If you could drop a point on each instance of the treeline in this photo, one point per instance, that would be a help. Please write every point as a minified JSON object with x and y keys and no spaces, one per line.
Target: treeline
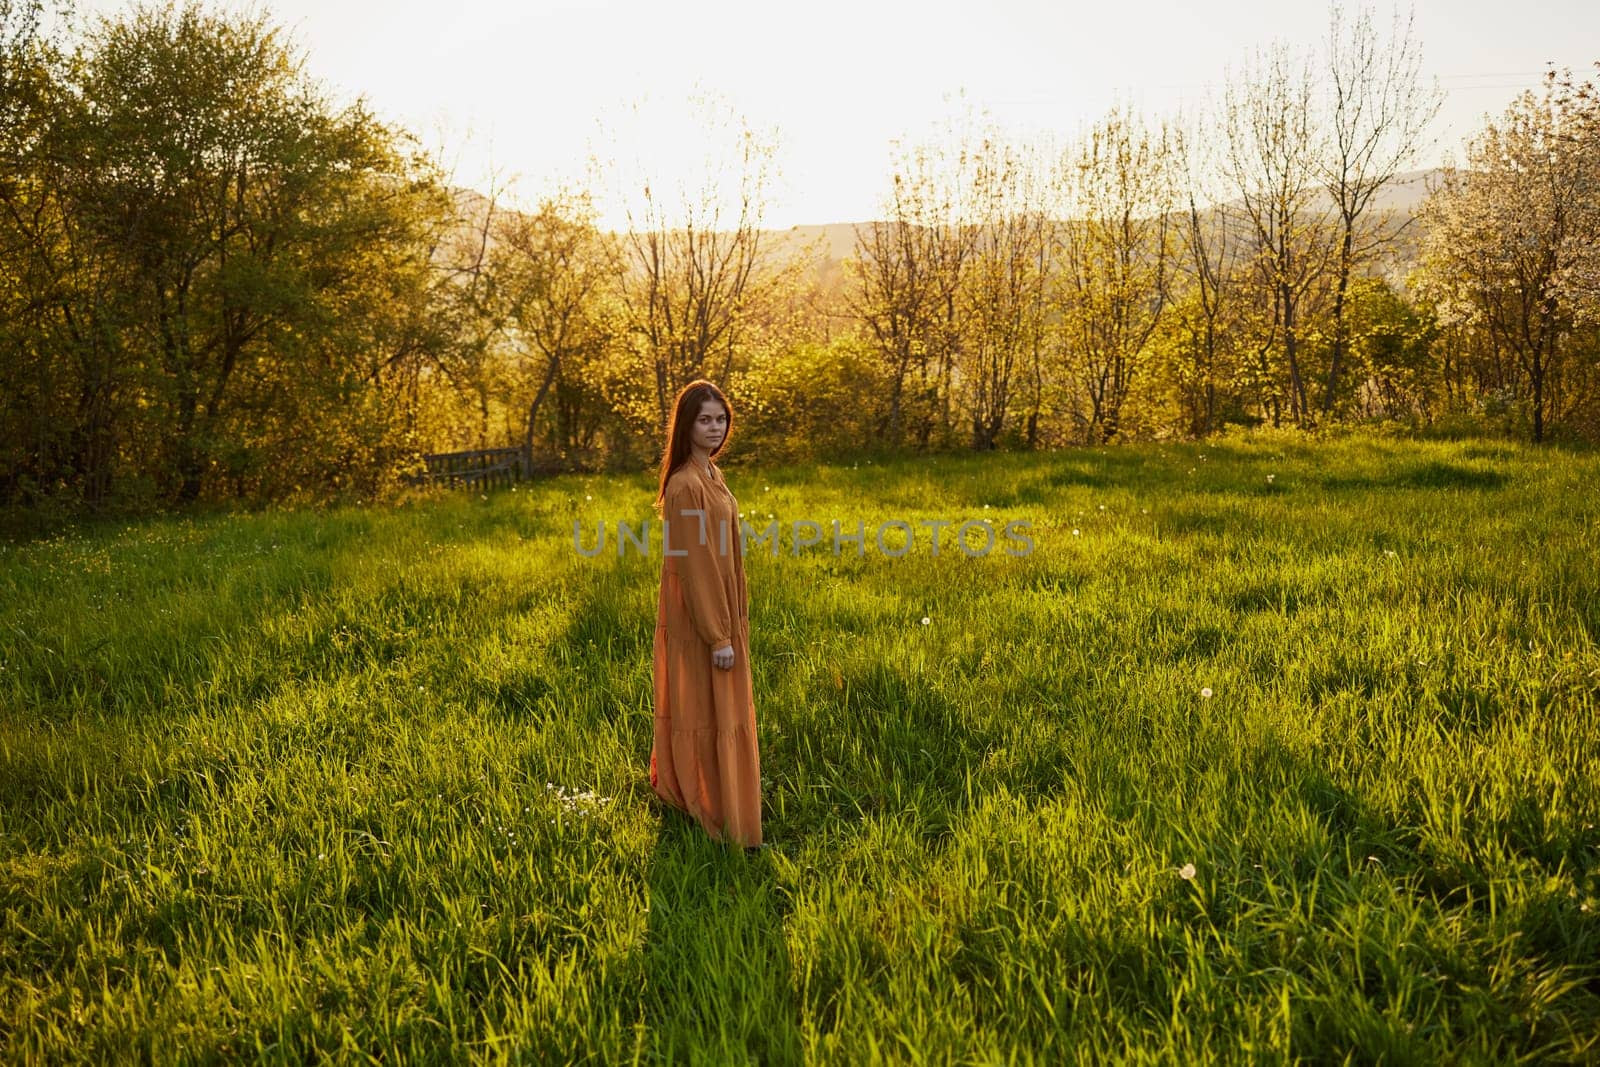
{"x":217,"y":285}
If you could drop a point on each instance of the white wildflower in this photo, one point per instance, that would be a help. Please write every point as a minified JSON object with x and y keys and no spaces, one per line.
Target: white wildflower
{"x":926,"y":620}
{"x":1206,"y":693}
{"x":1186,"y":872}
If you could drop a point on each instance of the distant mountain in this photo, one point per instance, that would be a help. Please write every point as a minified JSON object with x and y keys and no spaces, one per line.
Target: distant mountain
{"x":1406,"y":193}
{"x":1403,"y":196}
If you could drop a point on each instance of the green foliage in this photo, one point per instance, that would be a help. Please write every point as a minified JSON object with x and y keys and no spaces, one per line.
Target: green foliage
{"x":217,"y":286}
{"x":548,"y":276}
{"x":1391,"y":345}
{"x":1193,"y":381}
{"x":222,"y":277}
{"x":813,"y":401}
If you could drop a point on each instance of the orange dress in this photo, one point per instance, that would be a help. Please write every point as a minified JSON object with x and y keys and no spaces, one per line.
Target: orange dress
{"x":704,"y":760}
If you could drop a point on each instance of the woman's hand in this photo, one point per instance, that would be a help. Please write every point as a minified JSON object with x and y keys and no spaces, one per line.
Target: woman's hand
{"x":722,"y":658}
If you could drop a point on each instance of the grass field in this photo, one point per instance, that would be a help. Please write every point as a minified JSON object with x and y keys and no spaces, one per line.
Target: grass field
{"x":372,"y":783}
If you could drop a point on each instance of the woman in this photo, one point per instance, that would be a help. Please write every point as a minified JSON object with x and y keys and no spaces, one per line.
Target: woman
{"x":704,"y":760}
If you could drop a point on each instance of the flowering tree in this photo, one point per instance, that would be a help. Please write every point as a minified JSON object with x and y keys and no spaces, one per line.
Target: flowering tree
{"x":1511,"y":238}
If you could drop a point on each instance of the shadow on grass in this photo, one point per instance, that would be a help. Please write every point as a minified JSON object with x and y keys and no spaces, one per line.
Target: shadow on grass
{"x":1433,"y":475}
{"x":716,"y":984}
{"x":605,"y":634}
{"x":878,"y":740}
{"x":711,"y":981}
{"x":1447,"y":863}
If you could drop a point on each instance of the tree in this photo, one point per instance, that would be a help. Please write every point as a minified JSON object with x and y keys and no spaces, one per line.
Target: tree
{"x":909,"y":270}
{"x":896,"y":293}
{"x":1390,"y":343}
{"x":1510,"y":237}
{"x":1274,"y":145}
{"x":211,"y":262}
{"x":812,"y":401}
{"x":552,"y":269}
{"x":466,"y":299}
{"x":1114,"y":256}
{"x":22,"y":32}
{"x":1377,"y":116}
{"x":57,"y":364}
{"x":1205,"y":258}
{"x":1003,"y":292}
{"x":688,"y":281}
{"x":1578,"y":280}
{"x":248,"y":208}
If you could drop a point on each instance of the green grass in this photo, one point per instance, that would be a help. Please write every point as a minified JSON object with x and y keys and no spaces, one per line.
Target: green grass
{"x":274,"y":786}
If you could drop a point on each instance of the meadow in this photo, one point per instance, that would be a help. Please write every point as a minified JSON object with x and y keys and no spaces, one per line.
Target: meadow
{"x":1271,"y":750}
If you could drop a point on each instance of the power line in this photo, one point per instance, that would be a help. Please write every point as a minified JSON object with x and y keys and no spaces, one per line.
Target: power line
{"x":1496,"y":74}
{"x":1488,"y":74}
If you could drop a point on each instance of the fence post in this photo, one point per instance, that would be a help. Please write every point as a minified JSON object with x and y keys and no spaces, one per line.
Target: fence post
{"x":482,"y":467}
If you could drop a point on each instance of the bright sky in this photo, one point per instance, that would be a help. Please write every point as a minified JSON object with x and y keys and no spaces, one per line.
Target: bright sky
{"x":530,"y":88}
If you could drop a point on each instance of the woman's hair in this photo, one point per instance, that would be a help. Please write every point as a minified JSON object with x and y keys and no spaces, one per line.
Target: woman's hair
{"x":685,"y":409}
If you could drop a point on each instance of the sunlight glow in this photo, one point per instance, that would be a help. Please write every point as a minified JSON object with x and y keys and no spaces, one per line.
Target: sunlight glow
{"x":529,"y":90}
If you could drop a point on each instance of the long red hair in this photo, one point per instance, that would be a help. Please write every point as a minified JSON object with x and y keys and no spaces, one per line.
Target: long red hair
{"x":685,"y":409}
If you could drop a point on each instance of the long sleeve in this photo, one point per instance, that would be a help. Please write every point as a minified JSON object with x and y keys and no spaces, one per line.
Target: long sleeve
{"x":700,"y":570}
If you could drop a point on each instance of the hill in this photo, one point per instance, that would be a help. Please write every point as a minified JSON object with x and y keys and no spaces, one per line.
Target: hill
{"x":1403,"y":196}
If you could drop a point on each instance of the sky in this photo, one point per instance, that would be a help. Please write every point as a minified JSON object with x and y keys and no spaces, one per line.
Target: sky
{"x":520,"y":94}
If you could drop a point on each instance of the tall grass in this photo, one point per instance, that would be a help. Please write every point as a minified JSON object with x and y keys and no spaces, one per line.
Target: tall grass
{"x":372,"y":783}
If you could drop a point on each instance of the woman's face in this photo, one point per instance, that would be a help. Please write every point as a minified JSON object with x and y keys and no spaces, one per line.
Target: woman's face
{"x":709,"y":426}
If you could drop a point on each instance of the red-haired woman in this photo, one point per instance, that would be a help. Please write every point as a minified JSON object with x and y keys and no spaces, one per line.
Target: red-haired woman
{"x":704,"y":760}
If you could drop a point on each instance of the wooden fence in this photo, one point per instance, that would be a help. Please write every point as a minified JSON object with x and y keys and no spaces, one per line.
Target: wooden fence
{"x":481,"y":467}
